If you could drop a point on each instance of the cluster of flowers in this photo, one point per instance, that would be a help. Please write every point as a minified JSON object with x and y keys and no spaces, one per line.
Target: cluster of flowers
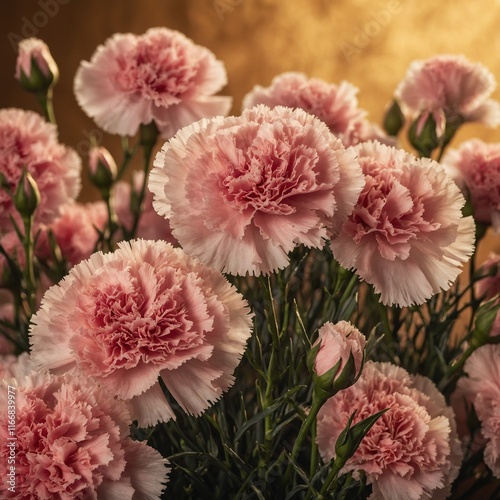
{"x":123,"y":304}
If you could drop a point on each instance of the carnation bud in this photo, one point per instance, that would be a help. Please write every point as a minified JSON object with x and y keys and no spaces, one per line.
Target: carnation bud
{"x":426,"y":141}
{"x":36,"y":69}
{"x":336,"y":359}
{"x":102,"y":168}
{"x":393,"y":119}
{"x":148,"y":134}
{"x":486,"y":315}
{"x":27,"y":195}
{"x":350,"y":438}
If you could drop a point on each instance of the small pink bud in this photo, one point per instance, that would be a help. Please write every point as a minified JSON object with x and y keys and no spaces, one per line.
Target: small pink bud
{"x":36,"y":69}
{"x":102,"y":167}
{"x":336,"y":359}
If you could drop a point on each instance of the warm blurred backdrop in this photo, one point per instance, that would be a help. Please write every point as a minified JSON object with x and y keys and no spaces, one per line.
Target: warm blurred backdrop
{"x":367,"y":42}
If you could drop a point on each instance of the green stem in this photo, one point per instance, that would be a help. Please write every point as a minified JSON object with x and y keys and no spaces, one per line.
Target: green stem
{"x":148,"y":150}
{"x":268,"y":400}
{"x":112,"y":221}
{"x":317,"y":403}
{"x":384,"y":316}
{"x":45,"y":100}
{"x":314,"y":452}
{"x":128,"y":154}
{"x":332,"y":476}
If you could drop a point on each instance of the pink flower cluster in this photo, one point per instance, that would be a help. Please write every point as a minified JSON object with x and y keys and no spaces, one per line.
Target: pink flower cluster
{"x":412,"y":451}
{"x":335,"y":105}
{"x":448,"y":87}
{"x":72,"y":441}
{"x":406,"y":235}
{"x":26,"y":140}
{"x":241,"y":192}
{"x":481,"y":389}
{"x":159,"y":76}
{"x":142,"y":312}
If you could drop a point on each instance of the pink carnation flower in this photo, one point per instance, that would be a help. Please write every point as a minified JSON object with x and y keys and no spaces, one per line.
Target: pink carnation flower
{"x":406,"y":236}
{"x":448,"y":87}
{"x":241,"y":193}
{"x":151,"y":225}
{"x":481,"y":388}
{"x":475,"y":166}
{"x":143,"y":312}
{"x":412,"y":451}
{"x":159,"y":76}
{"x":335,"y":105}
{"x":75,"y":231}
{"x":72,"y":442}
{"x":26,"y":140}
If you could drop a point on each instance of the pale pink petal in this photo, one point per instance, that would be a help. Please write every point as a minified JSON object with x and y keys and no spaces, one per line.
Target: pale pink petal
{"x":146,"y":469}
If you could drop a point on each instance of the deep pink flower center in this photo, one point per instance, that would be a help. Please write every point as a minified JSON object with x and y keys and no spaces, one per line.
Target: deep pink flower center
{"x":387,"y":211}
{"x":137,"y":321}
{"x":267,"y":176}
{"x":157,"y":68}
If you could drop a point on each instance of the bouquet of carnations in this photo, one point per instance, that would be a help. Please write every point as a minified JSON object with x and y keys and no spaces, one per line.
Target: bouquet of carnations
{"x":270,"y":308}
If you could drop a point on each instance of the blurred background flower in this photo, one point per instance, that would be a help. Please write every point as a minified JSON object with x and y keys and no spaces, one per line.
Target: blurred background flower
{"x":369,"y":43}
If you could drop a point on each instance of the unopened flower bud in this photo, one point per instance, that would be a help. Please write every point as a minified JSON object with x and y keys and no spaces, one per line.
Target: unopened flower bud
{"x":102,"y":168}
{"x":36,"y":69}
{"x":27,"y":195}
{"x":337,"y":357}
{"x":148,"y":134}
{"x":394,"y":119}
{"x":423,"y":135}
{"x":350,"y":438}
{"x":485,"y":320}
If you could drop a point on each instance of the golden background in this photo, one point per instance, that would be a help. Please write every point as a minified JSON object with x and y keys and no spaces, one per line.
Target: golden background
{"x":367,"y":42}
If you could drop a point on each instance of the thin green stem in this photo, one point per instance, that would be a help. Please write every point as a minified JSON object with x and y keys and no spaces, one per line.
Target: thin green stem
{"x":45,"y":100}
{"x":331,"y":478}
{"x":314,"y":452}
{"x":148,"y":150}
{"x":384,"y":316}
{"x":128,"y":154}
{"x":317,"y":403}
{"x":29,"y":271}
{"x":112,"y":222}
